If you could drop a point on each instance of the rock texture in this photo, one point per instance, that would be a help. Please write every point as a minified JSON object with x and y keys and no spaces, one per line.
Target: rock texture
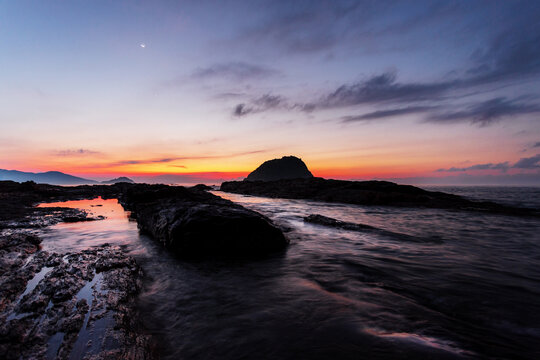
{"x":193,"y":222}
{"x":68,"y":306}
{"x":288,"y":167}
{"x":366,"y":193}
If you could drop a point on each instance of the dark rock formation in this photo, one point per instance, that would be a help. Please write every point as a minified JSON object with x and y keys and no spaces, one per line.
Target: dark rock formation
{"x":202,"y":187}
{"x":327,"y":221}
{"x":331,"y":222}
{"x":366,"y":193}
{"x":196,"y":223}
{"x":288,"y":167}
{"x":190,"y":221}
{"x":118,"y":180}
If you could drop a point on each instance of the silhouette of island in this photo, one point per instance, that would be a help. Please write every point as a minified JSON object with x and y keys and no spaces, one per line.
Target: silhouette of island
{"x":120,"y":179}
{"x":282,"y":178}
{"x":288,"y":167}
{"x":55,"y":178}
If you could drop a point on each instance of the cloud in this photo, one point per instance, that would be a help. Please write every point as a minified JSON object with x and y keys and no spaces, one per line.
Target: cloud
{"x":179,"y":158}
{"x":385,"y":113}
{"x":529,"y":163}
{"x":489,"y":166}
{"x":262,"y":103}
{"x":235,"y":71}
{"x":487,"y":112}
{"x":75,"y":152}
{"x":532,"y":162}
{"x":509,"y":57}
{"x":382,"y":88}
{"x":536,"y":145}
{"x":147,"y":161}
{"x":312,"y":27}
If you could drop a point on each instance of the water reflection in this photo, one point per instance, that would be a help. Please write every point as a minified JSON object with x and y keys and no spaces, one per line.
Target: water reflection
{"x":115,"y":229}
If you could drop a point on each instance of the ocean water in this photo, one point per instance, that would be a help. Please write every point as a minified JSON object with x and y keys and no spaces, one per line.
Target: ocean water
{"x":460,"y":285}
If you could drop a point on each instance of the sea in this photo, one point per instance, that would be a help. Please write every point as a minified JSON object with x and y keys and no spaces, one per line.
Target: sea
{"x":458,"y":285}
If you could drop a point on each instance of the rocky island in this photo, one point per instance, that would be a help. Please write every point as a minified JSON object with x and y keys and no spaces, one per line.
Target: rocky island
{"x":382,"y":193}
{"x":288,"y":167}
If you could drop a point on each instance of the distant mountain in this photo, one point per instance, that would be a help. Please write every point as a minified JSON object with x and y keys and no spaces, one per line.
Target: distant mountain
{"x":118,"y":180}
{"x":49,"y":177}
{"x":288,"y":167}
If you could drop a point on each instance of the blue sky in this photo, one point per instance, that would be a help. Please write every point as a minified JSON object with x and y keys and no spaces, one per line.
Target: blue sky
{"x":358,"y":89}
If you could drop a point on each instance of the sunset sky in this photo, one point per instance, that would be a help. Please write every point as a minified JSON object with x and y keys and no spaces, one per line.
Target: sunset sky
{"x":357,"y":89}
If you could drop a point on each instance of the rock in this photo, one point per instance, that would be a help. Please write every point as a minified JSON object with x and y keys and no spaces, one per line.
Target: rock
{"x":49,"y":318}
{"x":288,"y":167}
{"x":379,"y":193}
{"x":201,"y":187}
{"x":330,"y":222}
{"x":326,"y":221}
{"x":190,"y":221}
{"x":196,"y":223}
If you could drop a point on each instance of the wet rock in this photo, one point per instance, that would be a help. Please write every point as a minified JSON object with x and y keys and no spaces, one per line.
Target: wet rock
{"x":54,"y":305}
{"x":190,"y":221}
{"x":77,"y":215}
{"x":201,"y":187}
{"x":330,"y":222}
{"x":327,"y":221}
{"x":197,"y":223}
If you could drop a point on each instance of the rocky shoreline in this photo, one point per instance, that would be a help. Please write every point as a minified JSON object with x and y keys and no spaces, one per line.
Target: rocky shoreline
{"x":371,"y":193}
{"x":71,"y":305}
{"x":83,"y":304}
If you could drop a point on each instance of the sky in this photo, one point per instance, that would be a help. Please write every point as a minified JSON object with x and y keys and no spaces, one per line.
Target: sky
{"x":418,"y":91}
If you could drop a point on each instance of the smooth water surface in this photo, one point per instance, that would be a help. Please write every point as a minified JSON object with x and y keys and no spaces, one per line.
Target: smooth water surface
{"x":468,"y":286}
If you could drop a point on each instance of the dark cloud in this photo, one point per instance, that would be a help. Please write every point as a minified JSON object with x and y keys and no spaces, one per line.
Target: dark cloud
{"x":75,"y":152}
{"x":386,"y":113}
{"x":511,"y":55}
{"x":529,"y":163}
{"x":500,"y":166}
{"x":147,"y":161}
{"x":487,"y":112}
{"x":263,"y":103}
{"x":508,"y":56}
{"x":383,"y":89}
{"x":309,"y":27}
{"x":242,"y":110}
{"x":532,"y":162}
{"x":536,"y":145}
{"x":235,"y":71}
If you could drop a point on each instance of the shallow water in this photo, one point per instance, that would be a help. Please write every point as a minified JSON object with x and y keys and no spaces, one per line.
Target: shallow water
{"x":474,"y":292}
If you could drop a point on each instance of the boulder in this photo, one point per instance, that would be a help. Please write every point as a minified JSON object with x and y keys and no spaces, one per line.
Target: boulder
{"x":194,"y":223}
